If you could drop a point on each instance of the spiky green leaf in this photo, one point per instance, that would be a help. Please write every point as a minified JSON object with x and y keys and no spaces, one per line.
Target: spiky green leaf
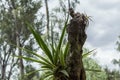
{"x":88,"y":53}
{"x":41,"y":43}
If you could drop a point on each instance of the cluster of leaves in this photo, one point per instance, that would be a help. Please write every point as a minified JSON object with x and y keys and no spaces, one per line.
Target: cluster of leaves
{"x":53,"y":60}
{"x":93,"y":70}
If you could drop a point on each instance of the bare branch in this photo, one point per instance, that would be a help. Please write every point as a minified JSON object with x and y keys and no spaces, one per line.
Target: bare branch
{"x":69,"y":4}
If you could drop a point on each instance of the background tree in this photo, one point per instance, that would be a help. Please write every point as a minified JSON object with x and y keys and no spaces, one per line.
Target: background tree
{"x":112,"y":74}
{"x":14,"y":14}
{"x":13,"y":30}
{"x":13,"y":18}
{"x":118,"y":43}
{"x":30,"y":73}
{"x":116,"y":73}
{"x":93,"y":70}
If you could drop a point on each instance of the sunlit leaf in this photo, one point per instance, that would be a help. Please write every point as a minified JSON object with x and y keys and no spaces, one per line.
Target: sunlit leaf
{"x":60,"y":41}
{"x":88,"y":53}
{"x":35,"y":60}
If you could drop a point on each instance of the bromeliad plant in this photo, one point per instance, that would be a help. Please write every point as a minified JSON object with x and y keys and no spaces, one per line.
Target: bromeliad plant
{"x":53,"y":63}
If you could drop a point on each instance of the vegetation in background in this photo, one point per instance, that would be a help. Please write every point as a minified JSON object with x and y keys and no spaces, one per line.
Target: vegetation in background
{"x":14,"y":30}
{"x":13,"y":15}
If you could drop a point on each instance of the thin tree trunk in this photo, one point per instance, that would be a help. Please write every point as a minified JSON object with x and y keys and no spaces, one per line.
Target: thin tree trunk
{"x":11,"y":68}
{"x":5,"y":62}
{"x":3,"y":68}
{"x":18,"y":30}
{"x":21,"y":66}
{"x":69,"y":4}
{"x":20,"y":54}
{"x":47,"y":13}
{"x":76,"y":38}
{"x":3,"y":71}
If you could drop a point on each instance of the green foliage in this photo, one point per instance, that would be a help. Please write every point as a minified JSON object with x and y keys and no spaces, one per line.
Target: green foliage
{"x":112,"y":74}
{"x":86,"y":54}
{"x":116,"y":62}
{"x":118,"y":43}
{"x":53,"y":56}
{"x":93,"y":70}
{"x":53,"y":61}
{"x":13,"y":14}
{"x":31,"y":72}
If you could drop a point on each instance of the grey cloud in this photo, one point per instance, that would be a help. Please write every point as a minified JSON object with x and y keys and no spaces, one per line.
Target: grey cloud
{"x":104,"y":30}
{"x":105,"y":4}
{"x":107,"y":21}
{"x":108,"y":36}
{"x":105,"y":27}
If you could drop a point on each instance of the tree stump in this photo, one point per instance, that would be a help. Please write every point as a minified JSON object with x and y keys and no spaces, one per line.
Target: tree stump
{"x":76,"y":38}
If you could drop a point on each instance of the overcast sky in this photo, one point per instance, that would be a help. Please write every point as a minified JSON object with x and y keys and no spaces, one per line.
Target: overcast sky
{"x":103,"y":32}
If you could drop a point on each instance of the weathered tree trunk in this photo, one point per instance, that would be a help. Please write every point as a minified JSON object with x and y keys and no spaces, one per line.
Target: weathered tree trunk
{"x":76,"y":38}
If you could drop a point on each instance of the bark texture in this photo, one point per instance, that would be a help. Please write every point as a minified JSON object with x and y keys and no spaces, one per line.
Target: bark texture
{"x":76,"y":38}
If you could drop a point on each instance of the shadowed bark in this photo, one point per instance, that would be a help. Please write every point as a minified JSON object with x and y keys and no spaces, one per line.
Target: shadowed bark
{"x":76,"y":38}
